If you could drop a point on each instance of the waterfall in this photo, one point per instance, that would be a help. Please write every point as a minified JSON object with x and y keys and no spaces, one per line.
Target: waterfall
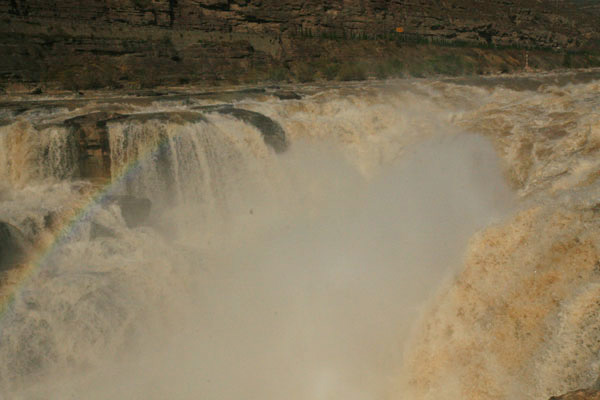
{"x":29,"y":154}
{"x":403,"y":239}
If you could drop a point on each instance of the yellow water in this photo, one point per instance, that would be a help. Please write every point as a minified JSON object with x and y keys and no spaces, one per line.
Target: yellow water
{"x":419,"y":239}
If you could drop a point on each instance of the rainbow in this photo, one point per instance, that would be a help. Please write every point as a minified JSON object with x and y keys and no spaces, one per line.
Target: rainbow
{"x":68,"y":225}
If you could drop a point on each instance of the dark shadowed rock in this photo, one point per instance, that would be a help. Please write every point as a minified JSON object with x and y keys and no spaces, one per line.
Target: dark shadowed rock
{"x":273,"y":133}
{"x":51,"y":221}
{"x":92,"y":143}
{"x":98,"y":230}
{"x":13,"y":246}
{"x":251,"y":91}
{"x":287,"y":95}
{"x":147,"y":93}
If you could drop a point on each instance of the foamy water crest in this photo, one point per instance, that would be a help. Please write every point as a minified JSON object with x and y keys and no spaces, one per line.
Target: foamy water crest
{"x":356,"y":264}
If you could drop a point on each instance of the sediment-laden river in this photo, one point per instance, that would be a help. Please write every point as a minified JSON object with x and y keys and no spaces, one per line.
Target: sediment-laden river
{"x":410,"y":239}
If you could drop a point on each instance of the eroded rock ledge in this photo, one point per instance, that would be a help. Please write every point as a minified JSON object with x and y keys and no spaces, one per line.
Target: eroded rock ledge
{"x":89,"y":143}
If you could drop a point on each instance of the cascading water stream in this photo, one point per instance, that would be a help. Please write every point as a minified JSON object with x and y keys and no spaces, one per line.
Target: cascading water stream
{"x":298,"y":274}
{"x":29,"y":154}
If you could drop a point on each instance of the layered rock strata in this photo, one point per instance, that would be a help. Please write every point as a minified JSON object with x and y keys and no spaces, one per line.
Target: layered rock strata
{"x":96,"y":43}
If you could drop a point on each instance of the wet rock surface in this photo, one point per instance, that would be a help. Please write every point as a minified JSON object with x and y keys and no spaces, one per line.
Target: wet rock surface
{"x":13,"y":246}
{"x":287,"y":95}
{"x":92,"y":137}
{"x":272,"y":132}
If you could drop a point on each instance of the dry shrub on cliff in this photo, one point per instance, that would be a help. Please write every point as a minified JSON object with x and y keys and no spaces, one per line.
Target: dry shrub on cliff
{"x":306,"y":73}
{"x":253,"y":75}
{"x":329,"y":69}
{"x":352,"y":72}
{"x":95,"y":73}
{"x":592,"y":60}
{"x":443,"y":64}
{"x":390,"y":68}
{"x":278,"y":74}
{"x":567,"y":60}
{"x":451,"y":64}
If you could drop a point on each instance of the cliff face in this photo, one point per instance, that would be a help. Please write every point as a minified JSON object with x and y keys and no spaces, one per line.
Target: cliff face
{"x":509,"y":21}
{"x":211,"y":39}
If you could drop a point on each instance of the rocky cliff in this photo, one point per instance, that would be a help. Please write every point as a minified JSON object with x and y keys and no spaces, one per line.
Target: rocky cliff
{"x":181,"y":40}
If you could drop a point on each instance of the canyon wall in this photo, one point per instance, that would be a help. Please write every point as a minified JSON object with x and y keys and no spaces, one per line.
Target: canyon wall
{"x":212,"y":40}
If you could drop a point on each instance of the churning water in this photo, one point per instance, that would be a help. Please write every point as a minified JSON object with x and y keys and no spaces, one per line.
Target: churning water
{"x":414,"y":240}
